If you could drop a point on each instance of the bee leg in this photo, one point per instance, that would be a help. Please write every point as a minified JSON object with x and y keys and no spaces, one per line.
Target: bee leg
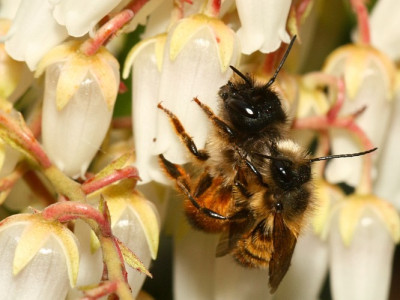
{"x":178,"y":174}
{"x":256,"y":172}
{"x":241,"y":187}
{"x":217,"y":121}
{"x":186,"y":139}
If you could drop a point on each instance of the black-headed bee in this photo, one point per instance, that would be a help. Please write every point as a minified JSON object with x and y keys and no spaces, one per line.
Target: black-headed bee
{"x":255,"y":185}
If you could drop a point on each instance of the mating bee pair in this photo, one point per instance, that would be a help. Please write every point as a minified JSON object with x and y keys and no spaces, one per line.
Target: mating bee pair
{"x":255,"y":185}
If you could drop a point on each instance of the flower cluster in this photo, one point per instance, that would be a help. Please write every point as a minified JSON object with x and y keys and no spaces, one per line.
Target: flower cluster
{"x":83,"y":198}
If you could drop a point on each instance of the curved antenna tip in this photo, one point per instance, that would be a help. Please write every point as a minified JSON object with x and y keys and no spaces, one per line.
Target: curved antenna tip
{"x":342,"y":155}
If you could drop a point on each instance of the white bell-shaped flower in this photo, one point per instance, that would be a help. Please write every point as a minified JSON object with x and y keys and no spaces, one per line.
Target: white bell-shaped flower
{"x":80,"y":93}
{"x":39,"y":258}
{"x":263,"y":24}
{"x":362,"y":238}
{"x":197,"y":55}
{"x":369,"y":80}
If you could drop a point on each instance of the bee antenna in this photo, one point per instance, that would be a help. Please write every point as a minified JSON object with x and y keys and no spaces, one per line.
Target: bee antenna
{"x":244,"y":77}
{"x":272,"y":80}
{"x":341,"y":155}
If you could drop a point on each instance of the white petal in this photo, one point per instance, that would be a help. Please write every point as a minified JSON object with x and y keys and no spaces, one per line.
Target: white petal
{"x":90,"y":264}
{"x":72,"y":136}
{"x":9,"y":8}
{"x":342,"y":170}
{"x":128,"y":229}
{"x":194,"y":265}
{"x":144,"y":114}
{"x":384,"y":26}
{"x":387,"y":182}
{"x":45,"y":277}
{"x":233,"y":281}
{"x":159,"y":20}
{"x":195,"y":73}
{"x":263,"y":24}
{"x":295,"y":285}
{"x":33,"y":34}
{"x":159,"y":194}
{"x":77,"y":18}
{"x":363,"y":270}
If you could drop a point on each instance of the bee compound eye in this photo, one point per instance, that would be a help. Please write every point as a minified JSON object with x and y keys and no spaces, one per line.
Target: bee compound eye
{"x":283,"y":173}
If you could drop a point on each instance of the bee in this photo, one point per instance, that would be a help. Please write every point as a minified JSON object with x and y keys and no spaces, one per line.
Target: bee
{"x":255,"y":184}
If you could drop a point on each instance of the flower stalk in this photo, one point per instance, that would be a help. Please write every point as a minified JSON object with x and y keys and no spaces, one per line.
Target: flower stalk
{"x":361,"y":12}
{"x":92,"y":45}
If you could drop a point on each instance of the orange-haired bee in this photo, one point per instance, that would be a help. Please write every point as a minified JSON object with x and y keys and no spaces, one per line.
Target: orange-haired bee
{"x":255,"y":187}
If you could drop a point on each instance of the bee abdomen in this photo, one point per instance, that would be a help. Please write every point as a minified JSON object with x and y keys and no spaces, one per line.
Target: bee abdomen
{"x":252,"y":255}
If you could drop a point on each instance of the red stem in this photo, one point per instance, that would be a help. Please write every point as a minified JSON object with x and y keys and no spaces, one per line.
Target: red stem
{"x":103,"y":289}
{"x":122,"y":123}
{"x":337,"y":106}
{"x":19,"y":133}
{"x":301,"y":9}
{"x":67,"y":211}
{"x":92,"y":45}
{"x":361,"y":11}
{"x":94,"y":184}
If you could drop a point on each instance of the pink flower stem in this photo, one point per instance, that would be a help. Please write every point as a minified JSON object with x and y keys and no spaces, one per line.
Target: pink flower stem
{"x":100,"y":224}
{"x":13,"y":128}
{"x":178,"y":10}
{"x":362,"y":19}
{"x":322,"y":150}
{"x":271,"y":60}
{"x":67,"y":211}
{"x":122,"y":123}
{"x":94,"y":184}
{"x":92,"y":45}
{"x":337,"y":106}
{"x":103,"y":289}
{"x":301,"y":9}
{"x":122,"y":89}
{"x":323,"y":123}
{"x":212,"y":8}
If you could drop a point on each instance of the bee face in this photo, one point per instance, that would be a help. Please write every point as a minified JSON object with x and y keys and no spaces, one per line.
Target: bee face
{"x":251,"y":108}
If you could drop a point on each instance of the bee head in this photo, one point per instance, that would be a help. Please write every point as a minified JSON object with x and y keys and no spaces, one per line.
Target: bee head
{"x":290,"y":174}
{"x":251,"y":108}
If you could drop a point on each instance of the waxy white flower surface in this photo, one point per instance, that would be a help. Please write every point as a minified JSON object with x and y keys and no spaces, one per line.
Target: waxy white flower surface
{"x":39,"y":258}
{"x":80,"y":92}
{"x":196,"y":62}
{"x":263,"y":24}
{"x":369,"y":81}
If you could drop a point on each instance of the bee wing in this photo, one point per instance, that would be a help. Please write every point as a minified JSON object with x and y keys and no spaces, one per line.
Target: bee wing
{"x":284,"y":242}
